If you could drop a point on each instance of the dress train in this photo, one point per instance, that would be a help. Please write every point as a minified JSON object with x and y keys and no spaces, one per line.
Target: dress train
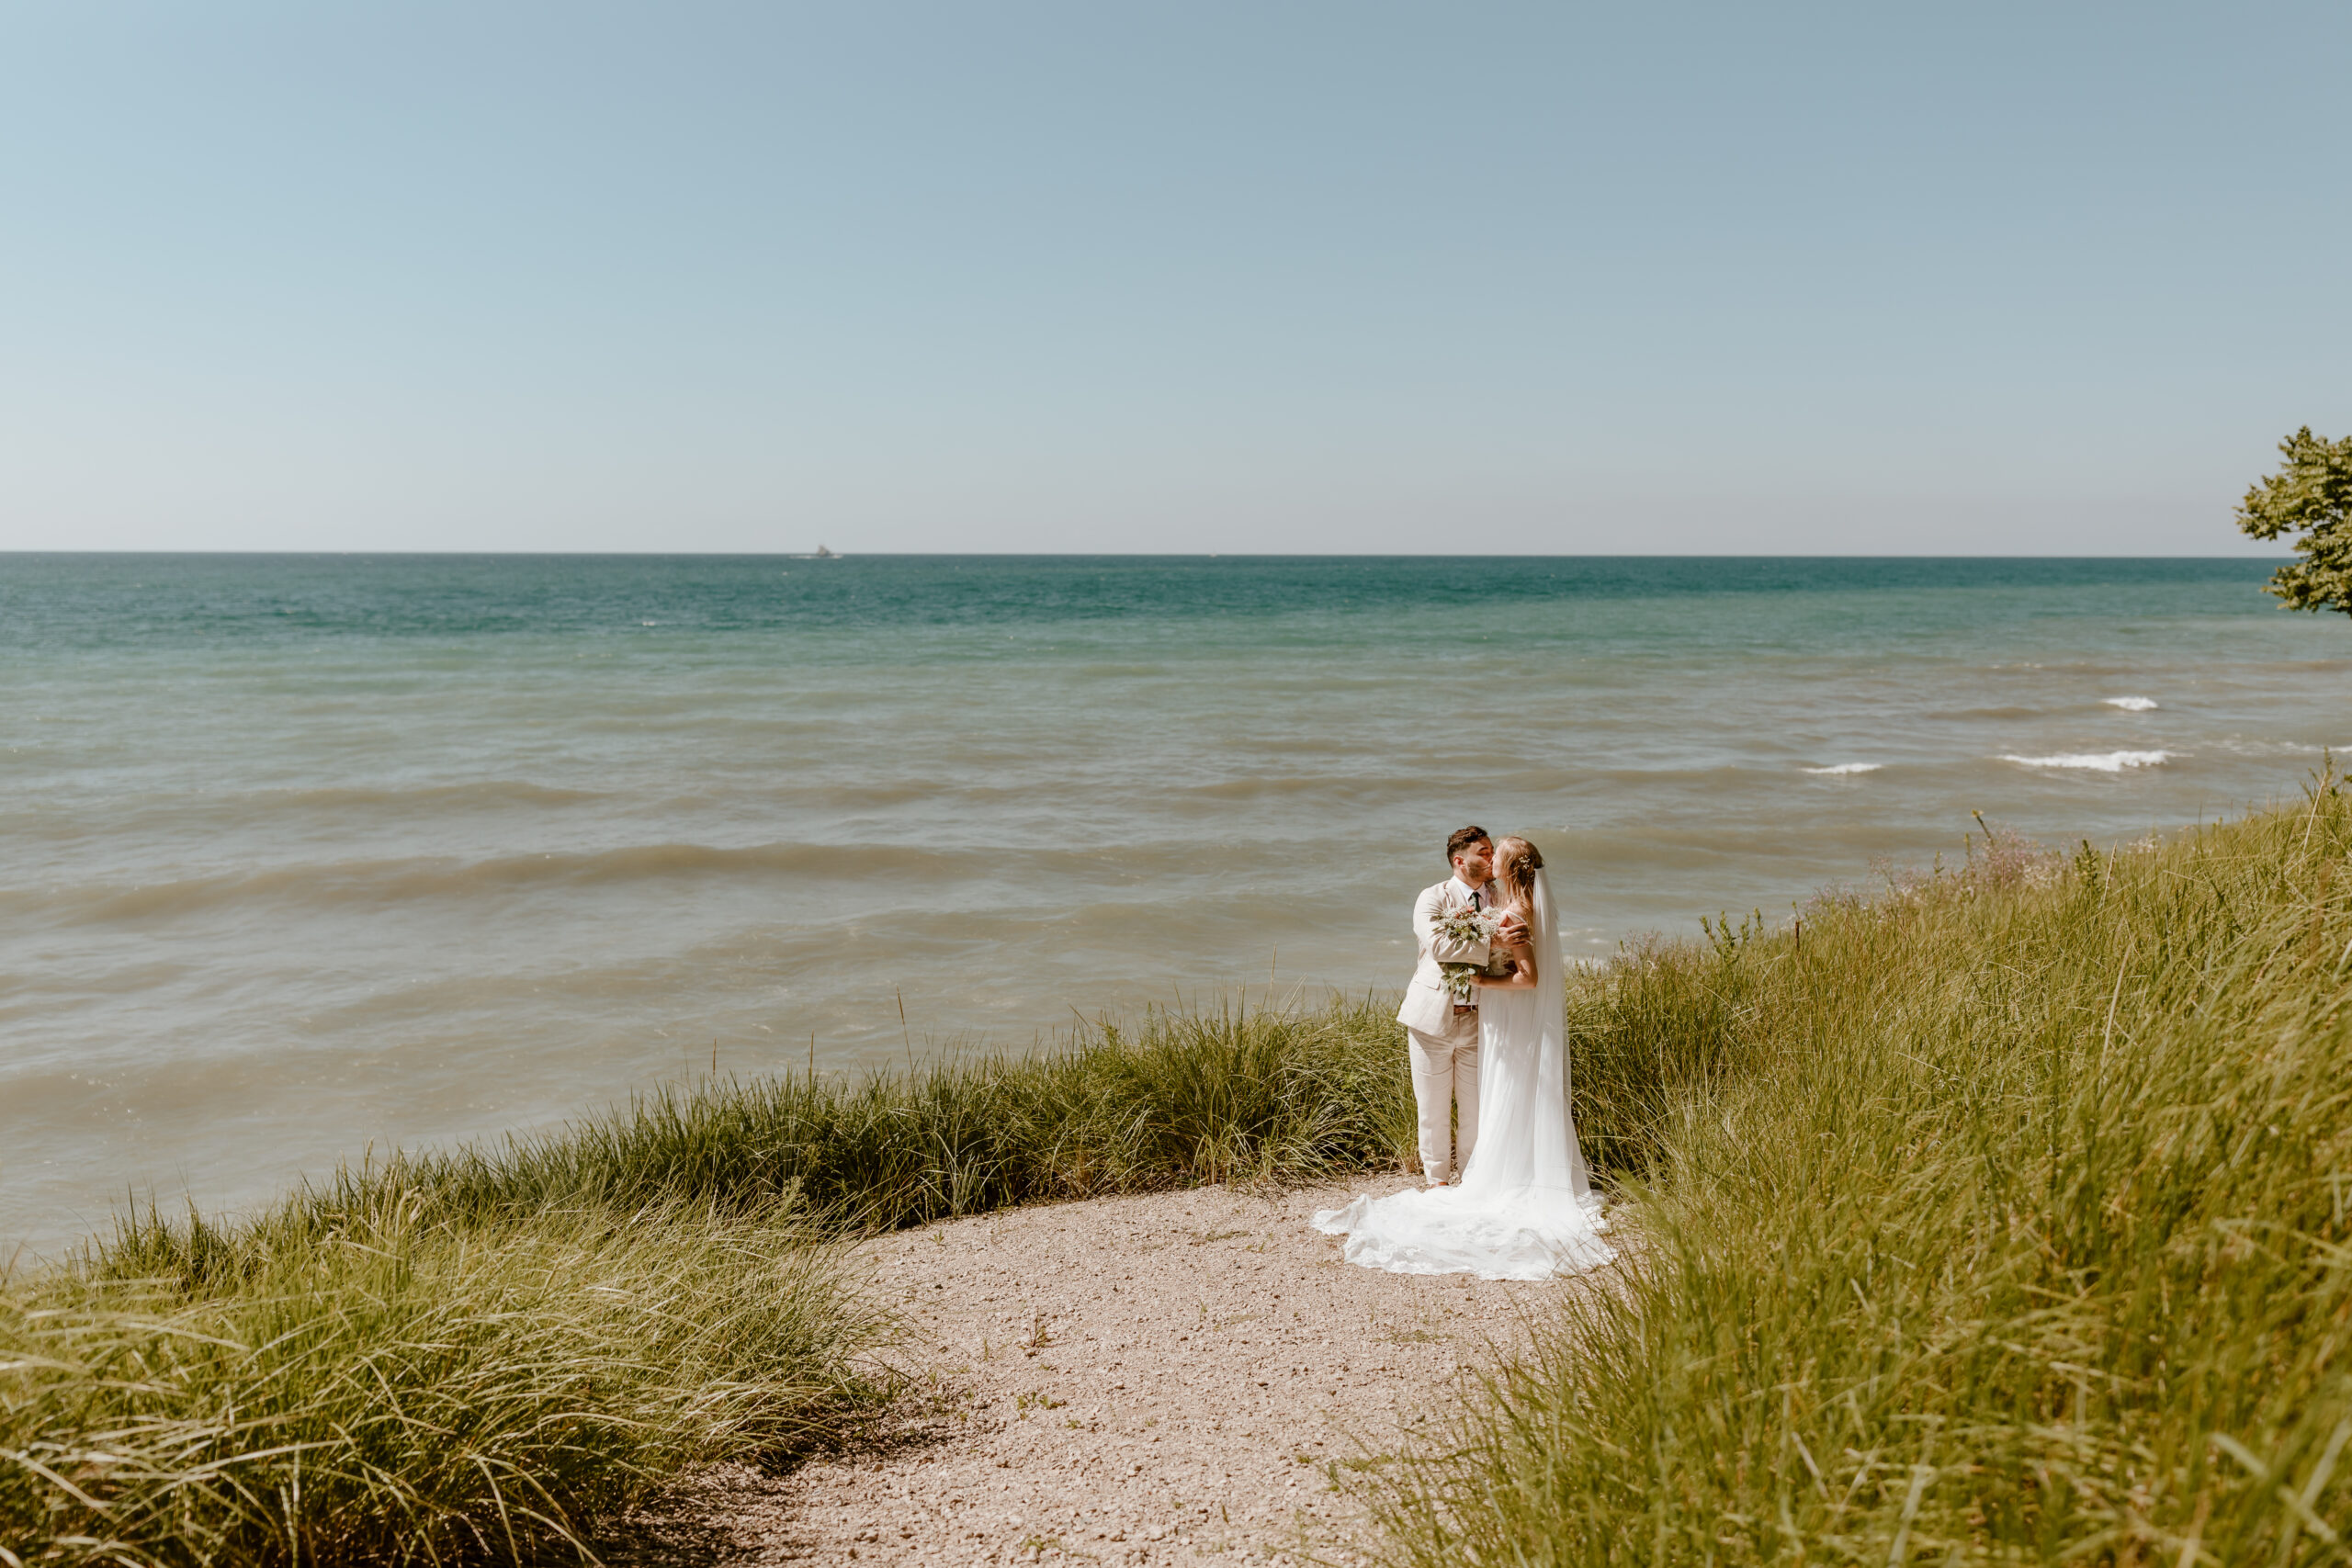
{"x":1524,"y":1208}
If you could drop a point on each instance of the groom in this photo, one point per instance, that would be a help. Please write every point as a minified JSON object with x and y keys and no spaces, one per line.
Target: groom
{"x":1443,"y":1033}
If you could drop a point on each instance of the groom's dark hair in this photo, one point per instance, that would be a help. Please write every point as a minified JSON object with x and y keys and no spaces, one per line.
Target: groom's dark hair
{"x":1463,"y":838}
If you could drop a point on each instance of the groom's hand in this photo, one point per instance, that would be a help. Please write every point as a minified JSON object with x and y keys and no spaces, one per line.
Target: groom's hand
{"x":1511,"y":928}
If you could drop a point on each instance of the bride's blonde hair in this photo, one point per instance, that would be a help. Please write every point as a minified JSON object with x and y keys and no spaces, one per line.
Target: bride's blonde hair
{"x":1516,"y":864}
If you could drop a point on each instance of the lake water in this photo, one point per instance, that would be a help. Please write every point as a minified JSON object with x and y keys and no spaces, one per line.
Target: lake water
{"x":303,"y":853}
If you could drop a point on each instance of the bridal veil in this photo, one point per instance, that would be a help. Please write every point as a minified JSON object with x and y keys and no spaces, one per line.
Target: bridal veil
{"x":1524,"y":1208}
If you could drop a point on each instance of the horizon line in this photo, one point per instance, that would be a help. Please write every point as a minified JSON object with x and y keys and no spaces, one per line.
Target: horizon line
{"x":1158,"y":555}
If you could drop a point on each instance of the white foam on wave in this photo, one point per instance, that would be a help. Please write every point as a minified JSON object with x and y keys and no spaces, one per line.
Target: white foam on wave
{"x":1849,"y":768}
{"x":2095,"y":762}
{"x":2131,"y":704}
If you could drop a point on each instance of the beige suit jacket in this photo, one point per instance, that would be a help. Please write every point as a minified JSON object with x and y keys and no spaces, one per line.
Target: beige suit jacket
{"x":1429,"y":1007}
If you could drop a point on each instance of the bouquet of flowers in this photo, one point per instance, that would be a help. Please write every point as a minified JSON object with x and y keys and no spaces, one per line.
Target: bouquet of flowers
{"x":1465,"y":924}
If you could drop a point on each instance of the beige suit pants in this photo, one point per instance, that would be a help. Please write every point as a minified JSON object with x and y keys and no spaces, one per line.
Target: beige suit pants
{"x":1445,"y":1076}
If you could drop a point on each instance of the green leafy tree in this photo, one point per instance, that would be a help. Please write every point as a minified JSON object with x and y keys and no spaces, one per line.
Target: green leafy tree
{"x":2311,"y":495}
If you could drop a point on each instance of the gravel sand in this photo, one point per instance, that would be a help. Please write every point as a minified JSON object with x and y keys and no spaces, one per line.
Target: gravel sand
{"x":1182,"y":1377}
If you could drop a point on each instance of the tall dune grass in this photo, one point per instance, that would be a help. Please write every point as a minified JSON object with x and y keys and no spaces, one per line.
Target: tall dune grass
{"x":2015,"y":1225}
{"x":487,"y":1353}
{"x":388,"y":1387}
{"x":1175,"y":1099}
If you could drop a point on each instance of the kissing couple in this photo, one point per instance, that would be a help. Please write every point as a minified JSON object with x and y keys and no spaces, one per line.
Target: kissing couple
{"x":1485,"y":1024}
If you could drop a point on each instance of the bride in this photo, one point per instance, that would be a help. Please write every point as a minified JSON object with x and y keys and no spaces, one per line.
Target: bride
{"x":1523,"y":1209}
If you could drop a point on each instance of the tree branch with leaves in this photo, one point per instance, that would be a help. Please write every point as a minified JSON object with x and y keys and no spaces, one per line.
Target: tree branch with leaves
{"x":2311,"y":495}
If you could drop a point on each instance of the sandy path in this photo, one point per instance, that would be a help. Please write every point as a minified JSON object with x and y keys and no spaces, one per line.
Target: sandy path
{"x":1170,"y":1378}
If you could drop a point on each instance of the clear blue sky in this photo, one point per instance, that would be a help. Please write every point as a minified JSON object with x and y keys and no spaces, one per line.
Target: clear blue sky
{"x":1305,"y":277}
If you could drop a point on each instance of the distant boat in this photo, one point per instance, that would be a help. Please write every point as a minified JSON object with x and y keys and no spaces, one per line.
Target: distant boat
{"x":824,"y":554}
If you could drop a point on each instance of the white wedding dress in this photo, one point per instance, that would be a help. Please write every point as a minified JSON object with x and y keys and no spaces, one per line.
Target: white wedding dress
{"x":1523,"y":1209}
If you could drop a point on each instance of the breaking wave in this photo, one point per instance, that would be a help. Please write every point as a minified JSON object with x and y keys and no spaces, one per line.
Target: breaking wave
{"x":2094,"y":762}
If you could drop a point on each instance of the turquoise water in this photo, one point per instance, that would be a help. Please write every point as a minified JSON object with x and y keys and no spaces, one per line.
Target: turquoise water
{"x":303,"y":853}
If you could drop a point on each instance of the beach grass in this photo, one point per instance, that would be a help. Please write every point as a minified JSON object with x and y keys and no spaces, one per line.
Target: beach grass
{"x":379,"y":1385}
{"x":1172,"y":1098}
{"x":2009,"y":1220}
{"x":1169,"y":1099}
{"x":494,"y":1352}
